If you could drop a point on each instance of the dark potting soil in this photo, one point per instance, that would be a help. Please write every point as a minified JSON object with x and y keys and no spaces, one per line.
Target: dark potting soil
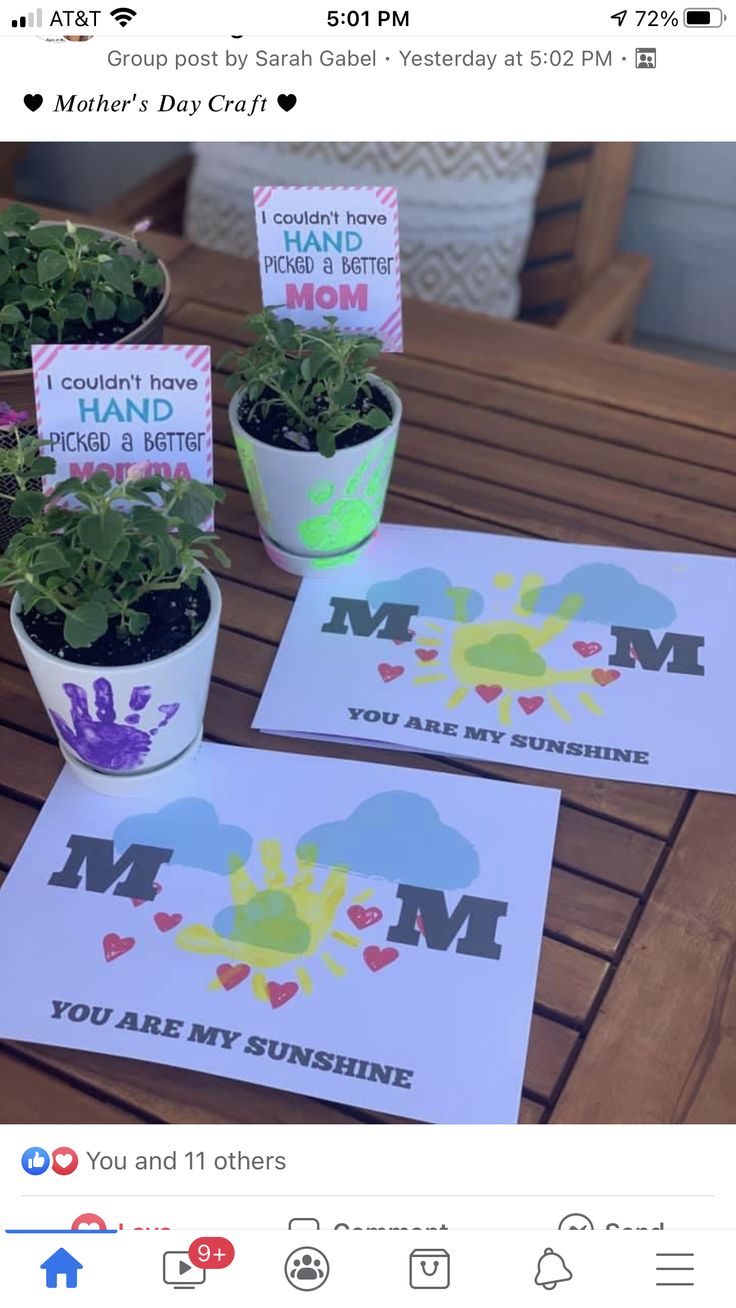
{"x":278,"y":420}
{"x":107,"y":333}
{"x":176,"y":617}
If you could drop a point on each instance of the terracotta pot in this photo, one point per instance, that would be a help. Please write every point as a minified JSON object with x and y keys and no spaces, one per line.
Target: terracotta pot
{"x":16,"y":388}
{"x":316,"y":513}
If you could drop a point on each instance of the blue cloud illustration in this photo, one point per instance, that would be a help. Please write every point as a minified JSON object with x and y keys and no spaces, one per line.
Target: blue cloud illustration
{"x":193,"y":830}
{"x":610,"y":595}
{"x":399,"y":837}
{"x":433,"y":591}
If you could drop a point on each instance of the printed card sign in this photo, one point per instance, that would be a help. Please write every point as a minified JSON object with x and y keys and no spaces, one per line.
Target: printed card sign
{"x":123,"y":408}
{"x":349,"y":931}
{"x":332,"y":250}
{"x":574,"y":658}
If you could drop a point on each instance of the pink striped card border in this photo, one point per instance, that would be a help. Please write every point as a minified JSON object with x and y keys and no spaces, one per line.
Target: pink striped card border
{"x":391,"y":331}
{"x":197,"y":356}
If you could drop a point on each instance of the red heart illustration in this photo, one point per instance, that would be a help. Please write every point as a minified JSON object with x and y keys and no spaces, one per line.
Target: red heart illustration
{"x":167,"y":921}
{"x":403,"y":642}
{"x":114,"y":946}
{"x":531,"y":704}
{"x":157,"y":888}
{"x":586,"y":649}
{"x":389,"y":673}
{"x":230,"y":975}
{"x":604,"y":676}
{"x":377,"y":958}
{"x":489,"y":693}
{"x":281,"y":994}
{"x":427,"y":655}
{"x":364,"y":917}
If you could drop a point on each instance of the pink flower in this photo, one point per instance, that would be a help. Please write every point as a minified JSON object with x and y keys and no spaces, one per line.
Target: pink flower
{"x":137,"y":470}
{"x":143,"y":225}
{"x":11,"y":417}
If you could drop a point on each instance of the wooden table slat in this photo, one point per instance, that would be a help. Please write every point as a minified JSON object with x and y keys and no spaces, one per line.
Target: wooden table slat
{"x":31,"y":1094}
{"x":637,"y":381}
{"x":668,"y":1048}
{"x":431,"y":389}
{"x":176,"y":1095}
{"x":551,"y":1048}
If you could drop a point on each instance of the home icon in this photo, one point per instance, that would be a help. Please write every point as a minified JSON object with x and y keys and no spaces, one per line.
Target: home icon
{"x":61,"y":1266}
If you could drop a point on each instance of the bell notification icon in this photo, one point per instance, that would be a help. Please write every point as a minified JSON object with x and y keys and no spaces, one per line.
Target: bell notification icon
{"x":551,"y":1270}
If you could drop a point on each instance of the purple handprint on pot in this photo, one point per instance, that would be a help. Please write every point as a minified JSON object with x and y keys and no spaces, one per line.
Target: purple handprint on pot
{"x":102,"y":741}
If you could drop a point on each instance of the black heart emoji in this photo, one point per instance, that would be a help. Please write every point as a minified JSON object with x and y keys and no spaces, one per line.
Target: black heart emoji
{"x":33,"y":102}
{"x":287,"y":102}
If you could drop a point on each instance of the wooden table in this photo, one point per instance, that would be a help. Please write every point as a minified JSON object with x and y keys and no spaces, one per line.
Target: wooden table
{"x":513,"y":429}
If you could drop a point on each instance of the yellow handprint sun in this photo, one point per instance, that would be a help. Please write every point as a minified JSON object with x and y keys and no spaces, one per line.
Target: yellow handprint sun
{"x":507,"y":657}
{"x":284,"y":921}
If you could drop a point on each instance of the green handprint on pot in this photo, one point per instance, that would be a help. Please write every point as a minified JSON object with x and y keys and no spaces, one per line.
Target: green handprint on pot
{"x":256,"y":489}
{"x":350,"y":515}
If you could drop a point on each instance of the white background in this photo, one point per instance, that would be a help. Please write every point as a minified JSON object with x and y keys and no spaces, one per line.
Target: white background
{"x":543,"y":1174}
{"x":687,"y":97}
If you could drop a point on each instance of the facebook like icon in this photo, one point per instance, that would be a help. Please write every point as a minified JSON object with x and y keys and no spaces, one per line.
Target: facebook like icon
{"x":35,"y":1162}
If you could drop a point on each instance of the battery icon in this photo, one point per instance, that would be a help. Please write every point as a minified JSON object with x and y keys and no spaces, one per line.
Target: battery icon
{"x":703,"y":17}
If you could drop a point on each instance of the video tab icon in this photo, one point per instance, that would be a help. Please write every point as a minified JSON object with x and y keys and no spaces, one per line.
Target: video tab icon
{"x":179,"y":1272}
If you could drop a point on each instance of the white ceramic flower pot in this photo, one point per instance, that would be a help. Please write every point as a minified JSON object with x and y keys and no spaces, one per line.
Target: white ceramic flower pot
{"x":120,"y":727}
{"x":316,"y":513}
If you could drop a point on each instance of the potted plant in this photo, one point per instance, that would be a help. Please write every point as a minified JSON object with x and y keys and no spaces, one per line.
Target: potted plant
{"x":60,"y":282}
{"x":114,"y":611}
{"x":75,"y":285}
{"x":315,"y":429}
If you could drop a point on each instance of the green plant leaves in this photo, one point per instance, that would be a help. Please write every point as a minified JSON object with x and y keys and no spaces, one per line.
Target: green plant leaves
{"x":46,"y":238}
{"x":28,"y":504}
{"x":51,"y":265}
{"x":118,"y":274}
{"x":150,"y":274}
{"x":129,"y":310}
{"x":60,"y":275}
{"x":18,"y":218}
{"x":73,"y":305}
{"x":85,"y":625}
{"x":10,"y":314}
{"x":49,"y":558}
{"x":196,"y":503}
{"x":100,"y":534}
{"x":376,"y":419}
{"x":42,"y":466}
{"x":137,"y":623}
{"x":96,"y":561}
{"x":317,"y":378}
{"x":103,"y":306}
{"x":35,"y":296}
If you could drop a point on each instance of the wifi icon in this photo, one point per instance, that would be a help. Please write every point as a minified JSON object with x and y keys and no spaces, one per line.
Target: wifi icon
{"x":123,"y":16}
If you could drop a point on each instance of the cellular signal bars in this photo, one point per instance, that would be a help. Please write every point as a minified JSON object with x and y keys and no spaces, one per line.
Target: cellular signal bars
{"x":33,"y":20}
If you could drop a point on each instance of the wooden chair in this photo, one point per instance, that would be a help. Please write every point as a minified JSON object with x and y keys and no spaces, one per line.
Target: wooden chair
{"x":10,"y":156}
{"x":575,"y":279}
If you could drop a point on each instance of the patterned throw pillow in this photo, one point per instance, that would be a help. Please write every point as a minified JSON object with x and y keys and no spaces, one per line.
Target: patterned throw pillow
{"x":466,"y":208}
